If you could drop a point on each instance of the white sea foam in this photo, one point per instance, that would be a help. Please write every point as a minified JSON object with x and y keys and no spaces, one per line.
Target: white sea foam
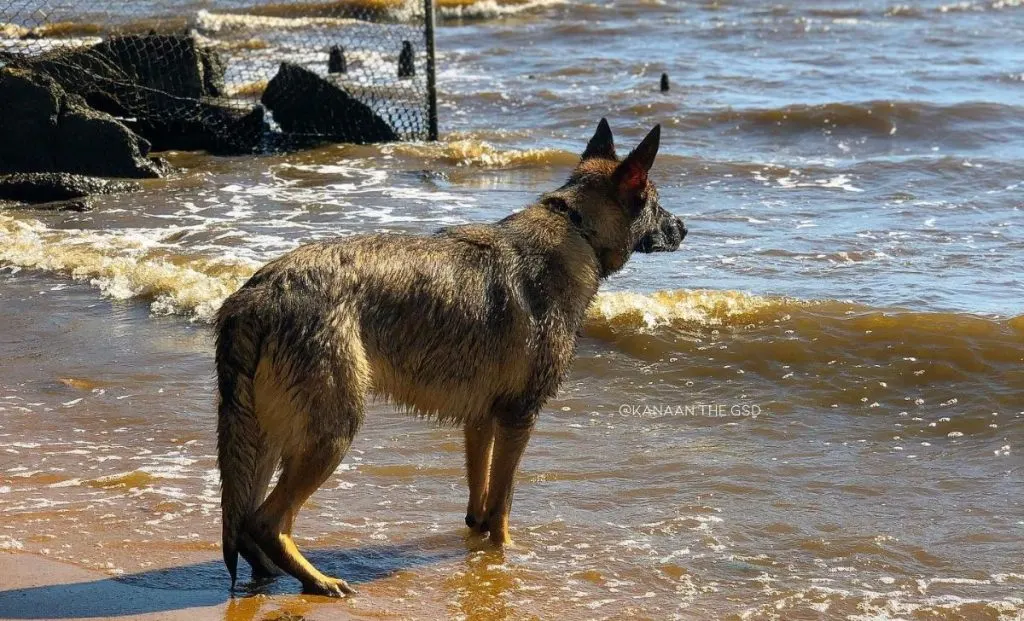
{"x":491,"y":8}
{"x":219,"y":23}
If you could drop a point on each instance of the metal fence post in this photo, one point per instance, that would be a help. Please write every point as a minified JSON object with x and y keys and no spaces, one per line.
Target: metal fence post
{"x":428,"y":6}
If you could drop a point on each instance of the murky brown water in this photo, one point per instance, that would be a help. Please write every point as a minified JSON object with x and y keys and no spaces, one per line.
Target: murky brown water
{"x":813,"y":410}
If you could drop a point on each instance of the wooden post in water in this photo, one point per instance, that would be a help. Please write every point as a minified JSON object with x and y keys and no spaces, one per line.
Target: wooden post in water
{"x":406,"y":61}
{"x":336,"y":60}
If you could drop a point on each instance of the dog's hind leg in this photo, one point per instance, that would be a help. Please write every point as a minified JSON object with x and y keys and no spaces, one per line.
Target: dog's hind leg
{"x":262,"y":566}
{"x":301,"y":475}
{"x":509,"y":444}
{"x":314,"y":419}
{"x":479,"y":445}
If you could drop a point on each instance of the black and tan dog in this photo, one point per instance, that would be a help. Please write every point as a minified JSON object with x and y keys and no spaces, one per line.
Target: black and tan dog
{"x":474,"y":325}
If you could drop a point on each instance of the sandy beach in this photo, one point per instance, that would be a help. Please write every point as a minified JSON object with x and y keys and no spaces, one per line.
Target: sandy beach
{"x":35,"y":587}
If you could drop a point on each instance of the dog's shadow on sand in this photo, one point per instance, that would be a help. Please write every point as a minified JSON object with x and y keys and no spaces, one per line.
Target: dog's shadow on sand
{"x":206,"y":583}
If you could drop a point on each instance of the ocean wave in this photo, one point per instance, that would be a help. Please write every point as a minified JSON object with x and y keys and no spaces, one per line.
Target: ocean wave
{"x":680,"y":309}
{"x":907,"y":118}
{"x":218,"y":23}
{"x":345,"y":12}
{"x":328,"y":10}
{"x":79,"y":30}
{"x":903,"y":601}
{"x":904,"y":10}
{"x":477,"y":153}
{"x":990,"y":5}
{"x":837,"y":12}
{"x":469,"y":150}
{"x":126,"y":265}
{"x":486,"y":9}
{"x":281,"y":16}
{"x":764,"y":333}
{"x":721,"y":333}
{"x":674,"y":311}
{"x":12,"y":31}
{"x":53,"y":30}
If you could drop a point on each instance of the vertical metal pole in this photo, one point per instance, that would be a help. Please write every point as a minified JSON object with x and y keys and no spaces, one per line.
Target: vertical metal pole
{"x":428,"y":6}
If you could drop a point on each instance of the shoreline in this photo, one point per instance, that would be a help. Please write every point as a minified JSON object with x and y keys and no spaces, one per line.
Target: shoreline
{"x":37,"y":587}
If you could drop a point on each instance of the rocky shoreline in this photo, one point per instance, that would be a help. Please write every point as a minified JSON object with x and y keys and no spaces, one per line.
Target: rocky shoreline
{"x":71,"y":119}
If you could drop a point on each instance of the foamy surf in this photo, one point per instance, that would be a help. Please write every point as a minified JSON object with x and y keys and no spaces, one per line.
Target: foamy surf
{"x":480,"y":154}
{"x":485,"y":9}
{"x":218,"y":23}
{"x":125,"y":266}
{"x":340,"y":14}
{"x":704,"y":308}
{"x":136,"y":264}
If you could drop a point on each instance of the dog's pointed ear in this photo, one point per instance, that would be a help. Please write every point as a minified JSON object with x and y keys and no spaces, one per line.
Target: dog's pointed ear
{"x":601,"y":145}
{"x":631,"y":175}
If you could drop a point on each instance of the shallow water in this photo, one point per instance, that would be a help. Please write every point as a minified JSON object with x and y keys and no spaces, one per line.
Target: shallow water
{"x":814,"y":409}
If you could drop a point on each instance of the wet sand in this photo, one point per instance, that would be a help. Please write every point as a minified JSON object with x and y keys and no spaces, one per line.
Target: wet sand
{"x":35,"y":587}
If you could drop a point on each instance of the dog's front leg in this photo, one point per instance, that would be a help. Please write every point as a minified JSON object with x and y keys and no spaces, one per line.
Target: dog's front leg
{"x":479,"y":445}
{"x":509,"y":443}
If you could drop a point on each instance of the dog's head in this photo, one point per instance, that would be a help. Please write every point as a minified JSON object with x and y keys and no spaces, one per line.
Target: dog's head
{"x":615,"y":204}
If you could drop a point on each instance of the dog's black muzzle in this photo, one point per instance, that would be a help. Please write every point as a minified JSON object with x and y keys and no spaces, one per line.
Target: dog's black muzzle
{"x":665,"y":238}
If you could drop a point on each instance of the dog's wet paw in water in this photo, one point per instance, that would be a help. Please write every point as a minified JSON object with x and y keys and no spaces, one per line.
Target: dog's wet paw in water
{"x":500,"y":538}
{"x":332,"y":587}
{"x":483,"y":526}
{"x":477,"y":525}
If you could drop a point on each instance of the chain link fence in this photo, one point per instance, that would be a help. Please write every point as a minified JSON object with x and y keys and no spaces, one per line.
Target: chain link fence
{"x":236,"y":76}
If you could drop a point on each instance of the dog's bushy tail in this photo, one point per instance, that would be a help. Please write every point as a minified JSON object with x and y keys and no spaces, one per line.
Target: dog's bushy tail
{"x":239,"y":437}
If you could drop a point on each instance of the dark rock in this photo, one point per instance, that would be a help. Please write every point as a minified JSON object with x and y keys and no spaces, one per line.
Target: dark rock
{"x":29,"y":109}
{"x":304,"y":103}
{"x":664,"y":83}
{"x":44,"y":129}
{"x":52,"y":188}
{"x":217,"y":126}
{"x":171,"y":63}
{"x":72,"y":204}
{"x":119,"y":66}
{"x":406,"y":61}
{"x":336,"y":60}
{"x":90,"y":142}
{"x":165,"y":86}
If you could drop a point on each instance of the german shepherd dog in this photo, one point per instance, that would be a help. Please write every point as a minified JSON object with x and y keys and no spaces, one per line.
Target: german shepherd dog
{"x":474,"y":325}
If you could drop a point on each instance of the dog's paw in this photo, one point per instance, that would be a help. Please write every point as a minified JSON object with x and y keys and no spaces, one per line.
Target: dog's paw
{"x":500,"y":539}
{"x":331,"y":587}
{"x":477,"y":525}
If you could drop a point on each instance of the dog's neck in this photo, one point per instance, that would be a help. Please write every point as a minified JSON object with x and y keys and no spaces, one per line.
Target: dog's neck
{"x":608,"y":262}
{"x":570,"y":262}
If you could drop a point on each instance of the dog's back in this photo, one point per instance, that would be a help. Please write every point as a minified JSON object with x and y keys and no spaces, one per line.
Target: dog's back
{"x":446,"y":323}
